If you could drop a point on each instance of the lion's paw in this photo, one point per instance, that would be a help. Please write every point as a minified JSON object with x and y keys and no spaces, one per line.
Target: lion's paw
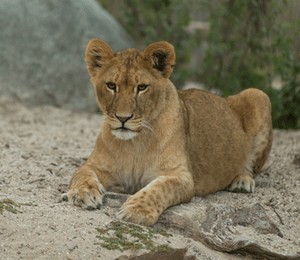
{"x":86,"y":196}
{"x":139,"y":213}
{"x":242,"y":183}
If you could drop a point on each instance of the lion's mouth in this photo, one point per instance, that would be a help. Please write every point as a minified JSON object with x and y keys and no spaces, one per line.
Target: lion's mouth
{"x":123,"y":129}
{"x":124,"y":133}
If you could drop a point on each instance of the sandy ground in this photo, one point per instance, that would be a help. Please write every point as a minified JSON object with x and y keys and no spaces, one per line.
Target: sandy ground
{"x":40,"y":148}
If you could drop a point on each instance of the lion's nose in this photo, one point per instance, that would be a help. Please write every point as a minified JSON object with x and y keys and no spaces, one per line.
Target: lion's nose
{"x":123,"y":119}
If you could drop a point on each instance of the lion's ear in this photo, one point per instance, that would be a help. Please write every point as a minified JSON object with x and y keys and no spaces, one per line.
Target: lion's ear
{"x":97,"y":54}
{"x":161,"y":56}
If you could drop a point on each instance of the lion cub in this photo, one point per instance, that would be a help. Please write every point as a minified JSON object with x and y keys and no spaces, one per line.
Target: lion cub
{"x":162,"y":145}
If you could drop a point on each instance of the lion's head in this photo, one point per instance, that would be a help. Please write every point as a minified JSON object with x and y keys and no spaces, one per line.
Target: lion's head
{"x":131,"y":85}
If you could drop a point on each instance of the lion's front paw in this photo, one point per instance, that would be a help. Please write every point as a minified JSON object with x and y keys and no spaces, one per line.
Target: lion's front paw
{"x":139,"y":212}
{"x":87,"y":195}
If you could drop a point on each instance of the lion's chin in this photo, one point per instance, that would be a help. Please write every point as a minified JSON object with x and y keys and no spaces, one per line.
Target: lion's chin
{"x":124,"y":134}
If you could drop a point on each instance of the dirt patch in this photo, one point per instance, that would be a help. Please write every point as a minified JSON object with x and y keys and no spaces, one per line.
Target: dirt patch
{"x":40,"y":148}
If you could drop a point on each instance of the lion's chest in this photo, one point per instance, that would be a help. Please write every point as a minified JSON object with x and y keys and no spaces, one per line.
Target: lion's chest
{"x":132,"y":182}
{"x":133,"y":174}
{"x":131,"y":164}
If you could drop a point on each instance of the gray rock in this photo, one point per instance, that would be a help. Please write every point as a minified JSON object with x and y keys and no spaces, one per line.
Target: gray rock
{"x":254,"y":217}
{"x":42,"y":47}
{"x":230,"y":229}
{"x":175,"y":254}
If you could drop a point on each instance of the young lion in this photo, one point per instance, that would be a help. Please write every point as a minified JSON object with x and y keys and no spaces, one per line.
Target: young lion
{"x":162,"y":145}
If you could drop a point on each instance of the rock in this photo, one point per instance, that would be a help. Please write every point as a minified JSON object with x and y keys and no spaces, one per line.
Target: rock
{"x":175,"y":254}
{"x":230,"y":229}
{"x":42,"y":50}
{"x":114,"y":200}
{"x":254,"y":217}
{"x":296,"y":160}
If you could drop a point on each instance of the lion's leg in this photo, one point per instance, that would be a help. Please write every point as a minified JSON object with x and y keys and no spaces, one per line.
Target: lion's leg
{"x":255,"y":161}
{"x":261,"y":147}
{"x":147,"y":205}
{"x":87,"y":188}
{"x":253,"y":108}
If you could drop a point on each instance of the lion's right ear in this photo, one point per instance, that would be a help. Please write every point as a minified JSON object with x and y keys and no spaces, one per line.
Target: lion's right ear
{"x":97,"y":54}
{"x":161,"y":57}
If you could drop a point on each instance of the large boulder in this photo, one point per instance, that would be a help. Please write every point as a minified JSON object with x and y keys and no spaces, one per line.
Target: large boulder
{"x":42,"y":47}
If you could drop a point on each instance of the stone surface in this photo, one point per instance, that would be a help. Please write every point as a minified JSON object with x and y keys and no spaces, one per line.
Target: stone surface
{"x":42,"y":47}
{"x":178,"y":254}
{"x":243,"y":229}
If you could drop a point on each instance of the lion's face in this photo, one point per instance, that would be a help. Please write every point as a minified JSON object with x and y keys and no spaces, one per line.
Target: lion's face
{"x":130,"y":85}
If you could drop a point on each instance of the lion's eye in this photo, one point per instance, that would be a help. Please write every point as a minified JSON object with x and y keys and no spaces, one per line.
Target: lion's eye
{"x":111,"y":86}
{"x":142,"y":87}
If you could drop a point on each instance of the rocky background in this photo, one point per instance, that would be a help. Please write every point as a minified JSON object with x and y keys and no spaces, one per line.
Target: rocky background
{"x":45,"y":136}
{"x":42,"y":47}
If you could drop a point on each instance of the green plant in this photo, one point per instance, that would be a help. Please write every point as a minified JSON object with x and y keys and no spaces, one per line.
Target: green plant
{"x":290,"y":100}
{"x":127,"y":236}
{"x":11,"y":206}
{"x":249,"y":44}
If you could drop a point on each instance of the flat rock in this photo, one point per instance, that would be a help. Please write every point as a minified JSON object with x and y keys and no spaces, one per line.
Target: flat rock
{"x":230,"y":229}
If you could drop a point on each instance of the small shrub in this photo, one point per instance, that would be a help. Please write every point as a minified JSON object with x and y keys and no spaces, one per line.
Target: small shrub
{"x":250,"y":43}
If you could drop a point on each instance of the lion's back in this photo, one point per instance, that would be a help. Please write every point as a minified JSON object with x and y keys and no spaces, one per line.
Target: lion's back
{"x":216,"y":143}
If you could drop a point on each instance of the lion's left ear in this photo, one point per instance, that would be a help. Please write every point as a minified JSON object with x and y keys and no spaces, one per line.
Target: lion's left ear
{"x":161,"y":56}
{"x":97,"y":54}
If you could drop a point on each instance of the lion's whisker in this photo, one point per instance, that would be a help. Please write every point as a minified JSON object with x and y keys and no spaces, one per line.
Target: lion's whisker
{"x":147,"y":125}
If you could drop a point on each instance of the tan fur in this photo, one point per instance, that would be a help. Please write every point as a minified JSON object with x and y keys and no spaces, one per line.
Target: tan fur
{"x":177,"y":144}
